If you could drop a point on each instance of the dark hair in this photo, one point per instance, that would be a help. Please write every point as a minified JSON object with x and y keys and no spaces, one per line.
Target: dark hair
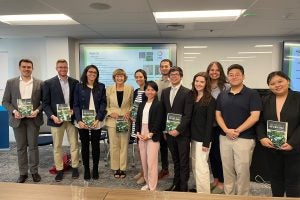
{"x":26,"y":61}
{"x":83,"y":77}
{"x":151,"y":84}
{"x":166,"y":60}
{"x":176,"y":69}
{"x":277,"y":73}
{"x":143,"y":72}
{"x":222,"y":79}
{"x":235,"y":66}
{"x":207,"y":90}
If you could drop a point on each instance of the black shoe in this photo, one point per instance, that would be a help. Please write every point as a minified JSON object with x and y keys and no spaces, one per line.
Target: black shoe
{"x":87,"y":174}
{"x":95,"y":172}
{"x":36,"y":177}
{"x":75,"y":173}
{"x":193,"y":190}
{"x":173,"y":188}
{"x":22,"y":178}
{"x":59,"y":176}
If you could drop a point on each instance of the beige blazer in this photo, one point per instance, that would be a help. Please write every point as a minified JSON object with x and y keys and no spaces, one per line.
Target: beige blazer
{"x":112,"y":103}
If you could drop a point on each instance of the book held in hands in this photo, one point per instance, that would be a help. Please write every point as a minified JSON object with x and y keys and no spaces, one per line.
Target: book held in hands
{"x":122,"y":125}
{"x":25,"y":107}
{"x":88,"y":117}
{"x":277,"y":132}
{"x":173,"y":120}
{"x":63,"y":112}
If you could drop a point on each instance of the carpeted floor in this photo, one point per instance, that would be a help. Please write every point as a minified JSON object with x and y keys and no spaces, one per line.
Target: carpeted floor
{"x":9,"y":173}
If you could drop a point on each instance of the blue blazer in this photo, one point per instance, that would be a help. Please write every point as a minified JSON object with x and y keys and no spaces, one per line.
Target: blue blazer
{"x":53,"y":94}
{"x":82,"y":99}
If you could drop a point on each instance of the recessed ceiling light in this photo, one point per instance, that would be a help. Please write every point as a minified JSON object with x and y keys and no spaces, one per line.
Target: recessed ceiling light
{"x":100,"y":6}
{"x":198,"y":16}
{"x":37,"y":19}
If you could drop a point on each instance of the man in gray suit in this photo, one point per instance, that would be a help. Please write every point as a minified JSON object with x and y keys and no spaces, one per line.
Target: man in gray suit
{"x":26,"y":128}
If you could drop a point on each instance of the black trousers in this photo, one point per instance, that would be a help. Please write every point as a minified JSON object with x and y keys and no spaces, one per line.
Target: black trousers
{"x":86,"y":136}
{"x":285,"y":172}
{"x":215,"y":156}
{"x":180,"y":149}
{"x":164,"y":153}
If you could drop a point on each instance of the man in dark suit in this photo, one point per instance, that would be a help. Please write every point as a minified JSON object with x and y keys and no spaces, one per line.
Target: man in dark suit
{"x":179,"y":100}
{"x":26,"y":128}
{"x":60,"y":90}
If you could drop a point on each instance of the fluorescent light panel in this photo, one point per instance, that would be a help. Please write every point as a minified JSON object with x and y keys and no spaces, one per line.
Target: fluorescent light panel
{"x":191,"y":53}
{"x":195,"y":47}
{"x":229,"y":60}
{"x":198,"y":16}
{"x":189,"y":57}
{"x":263,"y":45}
{"x":241,"y":57}
{"x":254,"y":52}
{"x":37,"y":19}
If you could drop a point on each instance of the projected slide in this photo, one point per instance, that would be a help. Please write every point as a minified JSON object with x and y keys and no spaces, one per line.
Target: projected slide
{"x":292,"y":63}
{"x":130,"y":57}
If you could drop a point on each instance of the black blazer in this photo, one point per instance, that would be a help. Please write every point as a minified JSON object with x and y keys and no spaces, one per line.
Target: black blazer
{"x":82,"y":100}
{"x":202,"y":121}
{"x":53,"y":94}
{"x":182,"y":104}
{"x":290,"y":113}
{"x":154,"y":121}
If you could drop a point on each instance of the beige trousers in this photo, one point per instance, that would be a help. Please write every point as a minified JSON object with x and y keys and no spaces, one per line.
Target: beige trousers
{"x":58,"y":135}
{"x":118,"y":148}
{"x":236,"y":158}
{"x":200,"y":167}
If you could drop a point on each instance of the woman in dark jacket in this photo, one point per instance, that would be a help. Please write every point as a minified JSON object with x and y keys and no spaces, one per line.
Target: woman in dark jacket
{"x":148,"y":128}
{"x":90,"y":95}
{"x":282,"y":105}
{"x":201,"y":130}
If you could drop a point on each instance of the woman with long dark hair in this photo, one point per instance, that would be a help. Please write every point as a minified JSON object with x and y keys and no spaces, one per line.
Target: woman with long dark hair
{"x":90,"y":95}
{"x":201,"y":129}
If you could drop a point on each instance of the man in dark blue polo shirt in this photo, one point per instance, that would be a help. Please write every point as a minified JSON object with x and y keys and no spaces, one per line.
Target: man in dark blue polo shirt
{"x":238,"y":109}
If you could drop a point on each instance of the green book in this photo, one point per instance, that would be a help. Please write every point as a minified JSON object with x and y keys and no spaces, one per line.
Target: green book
{"x":277,"y":132}
{"x":88,"y":117}
{"x":173,"y":120}
{"x":122,"y":125}
{"x":63,"y":112}
{"x":25,"y":107}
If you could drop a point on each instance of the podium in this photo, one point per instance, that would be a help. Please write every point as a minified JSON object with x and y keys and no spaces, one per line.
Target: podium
{"x":4,"y":129}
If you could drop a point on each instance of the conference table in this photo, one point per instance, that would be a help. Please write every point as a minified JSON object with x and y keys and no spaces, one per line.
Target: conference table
{"x":16,"y":191}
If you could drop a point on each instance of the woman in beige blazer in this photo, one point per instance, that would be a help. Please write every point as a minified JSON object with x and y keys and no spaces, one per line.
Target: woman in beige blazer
{"x":119,"y":103}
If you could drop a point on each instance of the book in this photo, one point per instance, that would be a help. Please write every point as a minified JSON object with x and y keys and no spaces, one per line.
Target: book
{"x":25,"y":107}
{"x":88,"y":117}
{"x":277,"y":132}
{"x":122,"y":125}
{"x":134,"y":110}
{"x":173,"y":120}
{"x":63,"y":112}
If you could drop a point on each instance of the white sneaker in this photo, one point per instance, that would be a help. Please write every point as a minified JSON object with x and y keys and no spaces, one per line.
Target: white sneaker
{"x":145,"y":187}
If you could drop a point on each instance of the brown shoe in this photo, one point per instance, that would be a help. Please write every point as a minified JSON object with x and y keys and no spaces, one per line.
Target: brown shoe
{"x":163,"y":173}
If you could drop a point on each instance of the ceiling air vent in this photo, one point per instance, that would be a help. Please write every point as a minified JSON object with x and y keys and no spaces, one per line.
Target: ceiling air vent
{"x":175,"y":27}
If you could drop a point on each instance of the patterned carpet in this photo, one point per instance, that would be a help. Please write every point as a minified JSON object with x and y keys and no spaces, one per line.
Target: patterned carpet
{"x":9,"y":173}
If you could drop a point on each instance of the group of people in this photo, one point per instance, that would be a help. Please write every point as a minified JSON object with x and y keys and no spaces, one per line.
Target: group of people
{"x":214,"y":124}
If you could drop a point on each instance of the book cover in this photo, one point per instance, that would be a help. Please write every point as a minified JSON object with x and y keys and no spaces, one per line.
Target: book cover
{"x":122,"y":125}
{"x":173,"y":120}
{"x":277,"y":132}
{"x":63,"y":112}
{"x":88,"y":117}
{"x":25,"y":107}
{"x":134,"y":110}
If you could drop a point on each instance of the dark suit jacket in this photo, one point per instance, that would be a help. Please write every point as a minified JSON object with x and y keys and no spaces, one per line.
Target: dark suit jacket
{"x":154,"y":120}
{"x":202,"y":122}
{"x":290,"y":113}
{"x":82,"y":100}
{"x":182,"y":104}
{"x":53,"y":94}
{"x":12,"y":93}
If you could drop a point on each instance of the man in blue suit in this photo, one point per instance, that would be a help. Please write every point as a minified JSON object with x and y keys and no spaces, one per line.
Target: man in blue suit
{"x":60,"y":90}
